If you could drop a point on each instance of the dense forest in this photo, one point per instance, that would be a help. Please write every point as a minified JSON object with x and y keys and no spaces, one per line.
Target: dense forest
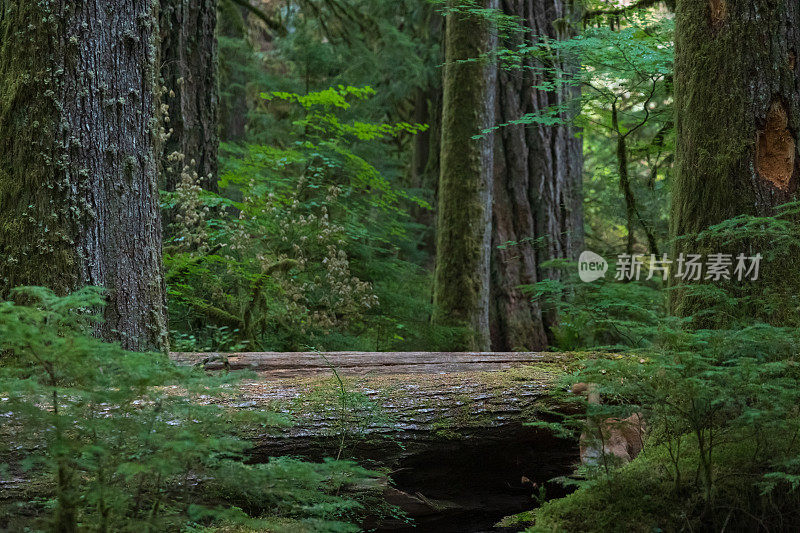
{"x":399,"y":265}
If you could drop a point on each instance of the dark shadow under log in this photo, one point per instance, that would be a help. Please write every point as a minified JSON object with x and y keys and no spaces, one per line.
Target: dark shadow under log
{"x":449,"y":427}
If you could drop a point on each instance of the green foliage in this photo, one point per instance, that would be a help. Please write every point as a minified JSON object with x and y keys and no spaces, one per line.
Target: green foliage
{"x":304,"y":247}
{"x":720,"y":404}
{"x":729,"y":303}
{"x":100,"y":439}
{"x":605,"y":314}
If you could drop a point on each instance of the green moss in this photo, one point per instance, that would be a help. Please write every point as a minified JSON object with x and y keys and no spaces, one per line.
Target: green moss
{"x":516,"y":521}
{"x":727,"y":75}
{"x":642,"y":496}
{"x":461,"y":288}
{"x":38,"y":209}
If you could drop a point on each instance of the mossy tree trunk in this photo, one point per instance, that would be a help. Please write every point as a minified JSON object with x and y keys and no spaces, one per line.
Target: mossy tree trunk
{"x":461,"y":291}
{"x":78,"y":164}
{"x":189,"y":67}
{"x":537,"y":182}
{"x":737,"y":87}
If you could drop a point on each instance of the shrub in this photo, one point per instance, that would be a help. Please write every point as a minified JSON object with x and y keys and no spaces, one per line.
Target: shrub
{"x":101,"y":439}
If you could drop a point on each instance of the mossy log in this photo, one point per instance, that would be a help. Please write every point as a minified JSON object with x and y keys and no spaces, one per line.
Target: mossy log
{"x":450,"y":428}
{"x":384,"y":398}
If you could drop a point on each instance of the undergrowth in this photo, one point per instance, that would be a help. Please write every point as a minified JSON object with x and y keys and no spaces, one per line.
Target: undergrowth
{"x":718,"y":390}
{"x":95,"y":438}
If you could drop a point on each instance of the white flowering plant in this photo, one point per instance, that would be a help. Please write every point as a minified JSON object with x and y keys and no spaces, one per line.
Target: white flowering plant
{"x":303,"y":239}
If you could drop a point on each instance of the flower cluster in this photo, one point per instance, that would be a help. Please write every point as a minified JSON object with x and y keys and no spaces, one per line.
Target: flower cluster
{"x":192,"y":213}
{"x":329,"y":295}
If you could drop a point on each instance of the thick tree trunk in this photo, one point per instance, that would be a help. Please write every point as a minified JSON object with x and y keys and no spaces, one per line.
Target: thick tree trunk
{"x":78,"y":165}
{"x":538,"y":212}
{"x":461,"y":292}
{"x":189,"y":73}
{"x":737,"y":103}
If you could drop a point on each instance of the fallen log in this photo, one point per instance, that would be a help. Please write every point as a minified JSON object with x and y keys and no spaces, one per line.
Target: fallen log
{"x":273,"y":365}
{"x":450,"y":428}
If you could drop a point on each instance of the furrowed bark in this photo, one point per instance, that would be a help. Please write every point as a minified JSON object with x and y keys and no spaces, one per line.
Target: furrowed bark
{"x":190,"y":74}
{"x":78,"y":165}
{"x":461,"y":292}
{"x":737,"y":117}
{"x":537,"y":184}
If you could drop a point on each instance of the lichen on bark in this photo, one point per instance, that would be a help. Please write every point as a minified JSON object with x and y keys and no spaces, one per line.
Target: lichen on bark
{"x":77,"y":157}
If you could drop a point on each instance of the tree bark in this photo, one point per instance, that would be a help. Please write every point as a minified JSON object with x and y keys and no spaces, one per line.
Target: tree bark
{"x":737,"y":106}
{"x":461,"y":291}
{"x":189,"y":72}
{"x":538,"y":213}
{"x":234,"y":106}
{"x":78,"y":164}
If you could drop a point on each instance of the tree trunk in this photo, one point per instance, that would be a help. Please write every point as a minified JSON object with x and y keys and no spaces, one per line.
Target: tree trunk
{"x":737,"y":105}
{"x":78,"y":165}
{"x":234,"y":106}
{"x":189,"y":73}
{"x":538,"y":213}
{"x":461,"y":292}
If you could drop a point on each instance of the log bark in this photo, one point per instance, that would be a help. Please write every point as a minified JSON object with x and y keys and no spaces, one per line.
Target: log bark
{"x":449,"y":426}
{"x":461,"y":285}
{"x":78,"y":157}
{"x":415,"y":396}
{"x":277,"y":365}
{"x":737,"y":105}
{"x":538,"y":213}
